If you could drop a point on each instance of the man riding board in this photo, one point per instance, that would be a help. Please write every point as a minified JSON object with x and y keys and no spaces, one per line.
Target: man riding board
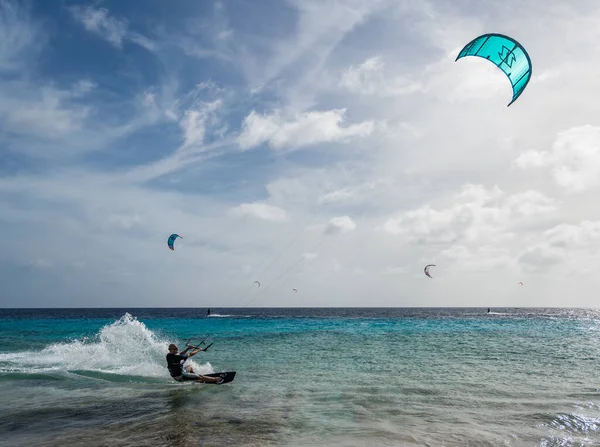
{"x":183,"y":373}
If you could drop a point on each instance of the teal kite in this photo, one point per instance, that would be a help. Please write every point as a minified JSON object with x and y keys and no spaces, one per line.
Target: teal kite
{"x":507,"y":54}
{"x":171,"y":240}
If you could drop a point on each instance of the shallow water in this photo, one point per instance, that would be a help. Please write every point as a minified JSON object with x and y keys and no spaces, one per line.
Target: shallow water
{"x":413,"y":377}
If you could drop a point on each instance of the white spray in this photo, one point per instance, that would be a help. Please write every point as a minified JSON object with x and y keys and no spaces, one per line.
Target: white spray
{"x":125,"y":347}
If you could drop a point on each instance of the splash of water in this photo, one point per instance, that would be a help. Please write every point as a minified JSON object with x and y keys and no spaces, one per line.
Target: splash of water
{"x":125,"y":347}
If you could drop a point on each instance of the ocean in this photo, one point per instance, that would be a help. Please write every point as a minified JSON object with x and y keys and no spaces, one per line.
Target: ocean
{"x":305,"y":377}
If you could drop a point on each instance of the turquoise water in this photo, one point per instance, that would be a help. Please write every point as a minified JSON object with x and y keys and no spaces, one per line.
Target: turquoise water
{"x":416,"y":377}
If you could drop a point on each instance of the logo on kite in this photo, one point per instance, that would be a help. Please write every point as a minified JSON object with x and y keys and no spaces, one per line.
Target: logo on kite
{"x":171,"y":240}
{"x":426,"y":269}
{"x":507,"y":54}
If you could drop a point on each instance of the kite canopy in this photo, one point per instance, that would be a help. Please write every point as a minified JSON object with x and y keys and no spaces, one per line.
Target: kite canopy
{"x":171,"y":240}
{"x":520,"y":282}
{"x":295,"y":290}
{"x":426,"y":269}
{"x":507,"y":54}
{"x":256,"y":282}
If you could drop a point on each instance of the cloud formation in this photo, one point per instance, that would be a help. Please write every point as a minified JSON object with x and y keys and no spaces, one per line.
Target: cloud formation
{"x":307,"y":129}
{"x":573,"y":160}
{"x":335,"y":147}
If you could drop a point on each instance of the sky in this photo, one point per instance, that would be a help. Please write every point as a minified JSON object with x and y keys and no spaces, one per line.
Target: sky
{"x":334,"y":147}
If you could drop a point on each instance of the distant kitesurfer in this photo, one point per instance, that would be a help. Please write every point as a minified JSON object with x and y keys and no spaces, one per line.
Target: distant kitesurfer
{"x":183,"y":373}
{"x":208,"y":313}
{"x":488,"y":310}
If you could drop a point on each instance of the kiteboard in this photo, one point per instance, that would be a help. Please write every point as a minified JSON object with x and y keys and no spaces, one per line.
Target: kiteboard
{"x":227,"y":376}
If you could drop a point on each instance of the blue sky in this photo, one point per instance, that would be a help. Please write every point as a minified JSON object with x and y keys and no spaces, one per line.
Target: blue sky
{"x":335,"y":147}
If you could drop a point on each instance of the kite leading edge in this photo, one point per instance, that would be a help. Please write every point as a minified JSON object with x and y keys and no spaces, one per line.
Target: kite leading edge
{"x":507,"y":54}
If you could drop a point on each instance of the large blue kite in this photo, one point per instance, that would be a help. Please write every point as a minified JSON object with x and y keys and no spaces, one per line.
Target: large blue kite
{"x":507,"y":54}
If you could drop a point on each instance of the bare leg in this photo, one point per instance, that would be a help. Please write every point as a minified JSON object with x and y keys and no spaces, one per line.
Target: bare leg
{"x":208,"y":379}
{"x":202,"y":378}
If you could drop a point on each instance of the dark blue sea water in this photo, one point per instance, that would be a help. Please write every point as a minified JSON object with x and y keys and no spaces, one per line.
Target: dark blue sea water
{"x":308,"y":376}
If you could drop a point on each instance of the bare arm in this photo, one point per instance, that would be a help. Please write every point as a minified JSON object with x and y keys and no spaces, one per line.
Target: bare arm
{"x":195,"y":351}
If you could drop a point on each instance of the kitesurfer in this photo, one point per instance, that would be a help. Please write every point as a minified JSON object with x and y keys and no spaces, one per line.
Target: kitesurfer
{"x":208,"y":313}
{"x":183,"y":373}
{"x":488,"y":310}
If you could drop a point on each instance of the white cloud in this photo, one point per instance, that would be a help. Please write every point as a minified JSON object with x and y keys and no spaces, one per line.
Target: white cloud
{"x":424,"y":221}
{"x":112,"y":29}
{"x":82,"y":87}
{"x":368,"y":79}
{"x":545,"y":76}
{"x":125,"y":221}
{"x":47,"y":112}
{"x":302,"y":130}
{"x":584,"y":235}
{"x":398,"y":270}
{"x":193,"y":127}
{"x":260,"y":210}
{"x":143,"y":41}
{"x":477,"y":214}
{"x":320,"y":26}
{"x":193,"y":122}
{"x":98,"y":21}
{"x":562,"y":245}
{"x":340,"y":224}
{"x":340,"y":195}
{"x":478,"y":257}
{"x":531,"y":204}
{"x":574,"y":159}
{"x":456,"y":253}
{"x":541,"y":257}
{"x":428,"y":159}
{"x":18,"y":36}
{"x":336,"y":266}
{"x":532,"y":159}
